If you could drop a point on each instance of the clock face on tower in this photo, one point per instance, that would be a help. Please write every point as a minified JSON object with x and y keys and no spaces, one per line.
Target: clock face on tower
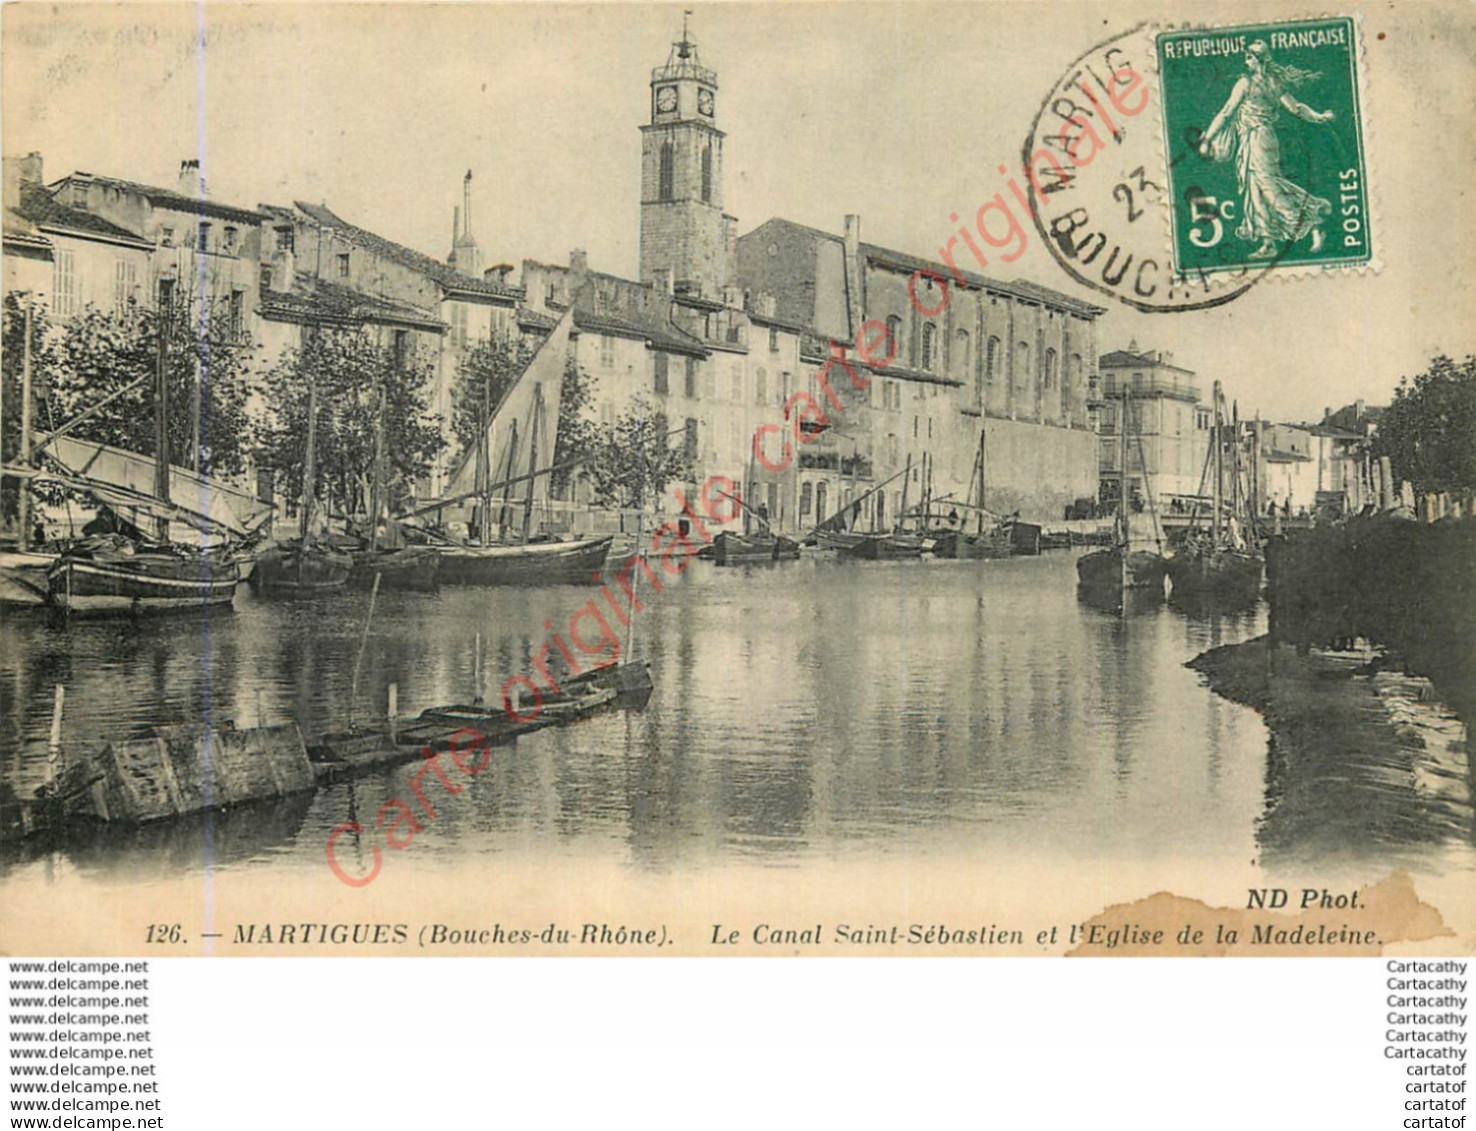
{"x":704,"y":102}
{"x":666,"y":99}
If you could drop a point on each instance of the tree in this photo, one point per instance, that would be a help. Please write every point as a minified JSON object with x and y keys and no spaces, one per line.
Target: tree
{"x":633,"y":460}
{"x":350,"y":369}
{"x":578,"y":436}
{"x":101,"y":353}
{"x":43,"y":368}
{"x":485,"y":374}
{"x":1429,"y":432}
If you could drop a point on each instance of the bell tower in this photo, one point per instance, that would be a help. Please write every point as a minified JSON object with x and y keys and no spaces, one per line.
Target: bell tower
{"x":683,"y":228}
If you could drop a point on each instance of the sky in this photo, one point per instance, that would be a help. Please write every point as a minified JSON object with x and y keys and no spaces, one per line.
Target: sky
{"x":897,"y":112}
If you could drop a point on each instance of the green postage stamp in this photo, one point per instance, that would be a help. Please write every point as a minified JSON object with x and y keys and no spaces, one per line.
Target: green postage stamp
{"x":1264,"y":130}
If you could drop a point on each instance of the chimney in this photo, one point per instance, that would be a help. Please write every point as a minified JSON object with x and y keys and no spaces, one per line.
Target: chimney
{"x":20,"y":172}
{"x":191,"y":183}
{"x":466,"y":201}
{"x":498,"y":274}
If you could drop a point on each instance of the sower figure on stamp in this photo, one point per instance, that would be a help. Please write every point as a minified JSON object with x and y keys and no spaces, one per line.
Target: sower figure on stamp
{"x":1273,"y":210}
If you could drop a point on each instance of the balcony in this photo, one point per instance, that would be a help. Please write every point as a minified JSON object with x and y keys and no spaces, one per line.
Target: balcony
{"x":1149,"y":385}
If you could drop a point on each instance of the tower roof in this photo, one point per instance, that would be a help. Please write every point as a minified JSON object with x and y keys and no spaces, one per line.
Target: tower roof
{"x":683,"y":62}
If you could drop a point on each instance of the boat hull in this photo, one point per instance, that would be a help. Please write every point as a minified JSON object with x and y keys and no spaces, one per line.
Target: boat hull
{"x":142,"y":583}
{"x":1226,"y":573}
{"x":23,"y":577}
{"x":871,"y":547}
{"x":290,"y":570}
{"x":539,"y":563}
{"x":416,"y":568}
{"x":953,"y":544}
{"x":1102,"y":571}
{"x":731,"y":549}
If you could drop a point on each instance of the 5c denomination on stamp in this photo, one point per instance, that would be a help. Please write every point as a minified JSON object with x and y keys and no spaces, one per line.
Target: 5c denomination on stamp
{"x":1264,"y":133}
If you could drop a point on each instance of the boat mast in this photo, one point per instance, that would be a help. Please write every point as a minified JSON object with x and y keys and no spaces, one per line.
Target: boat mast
{"x":484,"y":458}
{"x":532,"y":462}
{"x":25,"y":444}
{"x":512,"y":457}
{"x":376,"y":483}
{"x":979,"y":465}
{"x":161,"y":407}
{"x":902,"y":508}
{"x":1219,"y":474}
{"x":1122,"y":488}
{"x":747,"y":521}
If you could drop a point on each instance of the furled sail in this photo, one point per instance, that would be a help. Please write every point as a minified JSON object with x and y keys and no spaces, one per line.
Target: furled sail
{"x":124,"y":479}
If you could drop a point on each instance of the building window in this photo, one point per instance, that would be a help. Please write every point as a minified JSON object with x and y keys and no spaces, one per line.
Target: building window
{"x":607,"y":351}
{"x":786,"y":386}
{"x":663,"y":385}
{"x":166,"y":295}
{"x":285,"y":239}
{"x":761,"y":387}
{"x":202,"y":236}
{"x":459,"y":333}
{"x":991,"y":361}
{"x":1137,"y":382}
{"x":264,"y":277}
{"x":402,"y":349}
{"x":961,"y":351}
{"x":166,"y":237}
{"x":894,"y":337}
{"x":929,"y":331}
{"x":65,"y":283}
{"x":662,"y":431}
{"x":773,"y":340}
{"x":343,"y":265}
{"x":1022,"y":362}
{"x":707,"y":175}
{"x":690,"y":384}
{"x":689,"y":438}
{"x":664,"y":176}
{"x":1049,"y":367}
{"x":228,"y":237}
{"x":237,"y":314}
{"x":125,"y":280}
{"x":806,"y":498}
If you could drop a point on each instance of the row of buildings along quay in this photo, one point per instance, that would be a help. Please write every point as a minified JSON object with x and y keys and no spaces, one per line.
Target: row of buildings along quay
{"x":720,"y":331}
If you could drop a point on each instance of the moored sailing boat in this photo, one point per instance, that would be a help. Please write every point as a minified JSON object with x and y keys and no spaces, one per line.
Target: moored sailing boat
{"x":112,"y":574}
{"x":304,"y":564}
{"x":1135,"y":560}
{"x":996,"y":542}
{"x":1219,"y":565}
{"x":528,"y":410}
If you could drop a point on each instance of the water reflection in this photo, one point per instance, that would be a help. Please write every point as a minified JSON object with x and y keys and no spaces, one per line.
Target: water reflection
{"x":822,"y":708}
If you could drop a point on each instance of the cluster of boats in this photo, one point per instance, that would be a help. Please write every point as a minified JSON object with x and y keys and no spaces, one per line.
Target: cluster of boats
{"x":205,"y":537}
{"x":1216,"y":562}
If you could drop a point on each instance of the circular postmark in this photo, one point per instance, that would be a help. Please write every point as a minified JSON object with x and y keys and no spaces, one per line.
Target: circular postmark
{"x":1099,"y":165}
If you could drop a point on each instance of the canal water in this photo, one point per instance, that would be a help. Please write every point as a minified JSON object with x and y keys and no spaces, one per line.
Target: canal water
{"x":810,"y":709}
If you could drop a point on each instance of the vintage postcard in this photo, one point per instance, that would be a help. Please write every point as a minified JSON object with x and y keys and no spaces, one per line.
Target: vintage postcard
{"x":847,"y":478}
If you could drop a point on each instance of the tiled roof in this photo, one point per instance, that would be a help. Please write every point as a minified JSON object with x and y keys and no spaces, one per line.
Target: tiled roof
{"x":448,"y":278}
{"x":318,"y":301}
{"x":1124,"y":357}
{"x":21,"y":233}
{"x":44,"y":210}
{"x":177,"y":201}
{"x":1019,"y":288}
